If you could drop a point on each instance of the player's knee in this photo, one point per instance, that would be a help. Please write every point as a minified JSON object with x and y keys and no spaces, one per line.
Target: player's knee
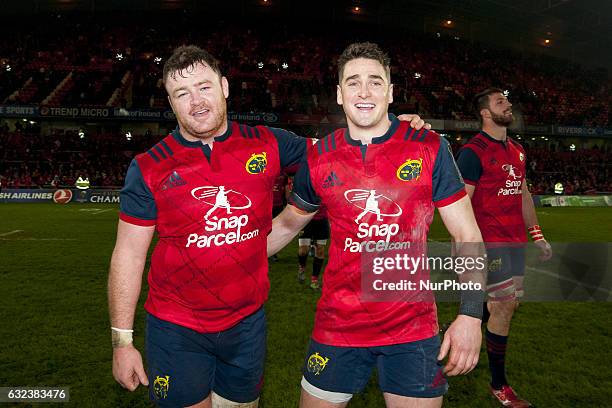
{"x":320,"y":251}
{"x":328,"y":396}
{"x":220,"y":402}
{"x":502,"y":310}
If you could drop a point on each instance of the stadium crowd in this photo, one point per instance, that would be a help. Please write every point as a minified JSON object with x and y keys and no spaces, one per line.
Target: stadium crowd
{"x":31,"y":159}
{"x":274,"y":69}
{"x":283,"y":70}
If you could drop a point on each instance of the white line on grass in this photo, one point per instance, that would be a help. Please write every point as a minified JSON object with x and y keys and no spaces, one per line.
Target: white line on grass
{"x":6,"y":234}
{"x":556,"y":275}
{"x":38,"y":239}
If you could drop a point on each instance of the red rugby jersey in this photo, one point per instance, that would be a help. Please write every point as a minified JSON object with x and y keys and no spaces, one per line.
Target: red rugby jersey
{"x":212,"y":211}
{"x":497,"y":171}
{"x":392,"y":184}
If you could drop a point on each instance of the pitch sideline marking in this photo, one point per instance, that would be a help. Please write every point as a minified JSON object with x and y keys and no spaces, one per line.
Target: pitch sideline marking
{"x":556,"y":275}
{"x":6,"y":234}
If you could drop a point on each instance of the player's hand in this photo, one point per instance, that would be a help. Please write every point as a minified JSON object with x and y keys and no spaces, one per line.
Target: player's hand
{"x":128,"y":369}
{"x":545,"y":248}
{"x":463,"y":338}
{"x":415,"y":121}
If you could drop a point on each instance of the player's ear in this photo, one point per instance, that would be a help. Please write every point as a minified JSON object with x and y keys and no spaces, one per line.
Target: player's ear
{"x":485,"y":113}
{"x":338,"y":94}
{"x":225,"y":87}
{"x":390,"y":96}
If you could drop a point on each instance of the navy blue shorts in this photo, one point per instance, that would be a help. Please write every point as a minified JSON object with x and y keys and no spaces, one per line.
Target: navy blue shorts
{"x":184,"y":366}
{"x":505,"y":262}
{"x":407,"y":369}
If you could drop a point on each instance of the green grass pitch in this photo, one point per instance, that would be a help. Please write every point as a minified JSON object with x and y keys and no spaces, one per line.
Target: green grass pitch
{"x":55,"y":329}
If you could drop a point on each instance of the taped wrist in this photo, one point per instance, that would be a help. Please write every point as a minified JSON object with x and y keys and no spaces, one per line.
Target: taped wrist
{"x":121,"y":337}
{"x":536,"y":233}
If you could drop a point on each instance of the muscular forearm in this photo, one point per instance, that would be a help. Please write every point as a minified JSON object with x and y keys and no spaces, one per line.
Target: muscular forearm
{"x":285,"y":227}
{"x":529,"y":213}
{"x":125,"y":275}
{"x":124,"y":283}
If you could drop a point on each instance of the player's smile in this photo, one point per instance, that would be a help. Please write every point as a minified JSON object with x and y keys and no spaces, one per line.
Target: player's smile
{"x":365,"y":93}
{"x":365,"y":107}
{"x":200,"y":112}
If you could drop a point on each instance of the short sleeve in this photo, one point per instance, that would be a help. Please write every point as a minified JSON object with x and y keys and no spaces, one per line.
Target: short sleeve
{"x":469,"y":165}
{"x":447,"y":183}
{"x":137,"y":203}
{"x":291,"y":147}
{"x":303,"y":195}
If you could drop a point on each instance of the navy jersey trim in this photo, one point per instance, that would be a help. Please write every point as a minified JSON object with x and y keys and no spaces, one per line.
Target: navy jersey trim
{"x":160,"y":151}
{"x":469,"y":164}
{"x":291,"y":147}
{"x":304,"y":194}
{"x":176,"y":134}
{"x":446,"y":178}
{"x":153,"y":155}
{"x":395,"y":122}
{"x":136,"y":199}
{"x":492,"y":139}
{"x":166,"y":147}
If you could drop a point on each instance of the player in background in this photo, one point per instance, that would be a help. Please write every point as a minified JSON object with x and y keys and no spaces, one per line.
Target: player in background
{"x":411,"y":174}
{"x":493,"y":167}
{"x":205,"y":332}
{"x":315,"y":233}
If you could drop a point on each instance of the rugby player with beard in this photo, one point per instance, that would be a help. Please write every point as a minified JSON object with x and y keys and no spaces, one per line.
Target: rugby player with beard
{"x":493,"y":168}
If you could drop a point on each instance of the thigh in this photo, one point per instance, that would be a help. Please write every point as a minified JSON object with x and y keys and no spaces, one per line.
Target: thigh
{"x":241,"y":353}
{"x":338,"y":369}
{"x":500,"y":281}
{"x":180,"y":366}
{"x":412,"y":369}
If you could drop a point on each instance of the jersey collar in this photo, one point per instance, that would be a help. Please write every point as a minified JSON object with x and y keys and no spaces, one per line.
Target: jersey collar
{"x":379,"y":139}
{"x":176,"y":134}
{"x":491,"y":138}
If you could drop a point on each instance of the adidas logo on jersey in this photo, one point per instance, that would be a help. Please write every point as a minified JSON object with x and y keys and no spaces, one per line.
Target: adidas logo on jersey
{"x":173,"y":181}
{"x":332,"y":180}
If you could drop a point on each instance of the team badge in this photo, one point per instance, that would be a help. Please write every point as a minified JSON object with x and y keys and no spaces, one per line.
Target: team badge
{"x":410,"y":170}
{"x":257,"y":163}
{"x":495,"y":265}
{"x":161,"y":385}
{"x":521,"y":156}
{"x":316,"y":363}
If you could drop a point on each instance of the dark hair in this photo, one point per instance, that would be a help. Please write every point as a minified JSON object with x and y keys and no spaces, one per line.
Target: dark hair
{"x":481,"y":100}
{"x":187,"y":56}
{"x":363,"y":50}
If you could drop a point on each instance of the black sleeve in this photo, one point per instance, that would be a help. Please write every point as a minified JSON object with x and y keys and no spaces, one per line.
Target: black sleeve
{"x":469,"y":165}
{"x":446,"y":178}
{"x":303,"y":195}
{"x":291,"y":147}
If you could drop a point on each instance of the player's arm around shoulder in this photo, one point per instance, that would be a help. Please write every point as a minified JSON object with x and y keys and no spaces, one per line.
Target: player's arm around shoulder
{"x":124,"y":283}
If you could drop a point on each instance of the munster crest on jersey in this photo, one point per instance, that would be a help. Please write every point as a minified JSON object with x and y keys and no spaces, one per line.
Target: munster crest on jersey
{"x":316,"y":363}
{"x":410,"y":170}
{"x":257,"y":163}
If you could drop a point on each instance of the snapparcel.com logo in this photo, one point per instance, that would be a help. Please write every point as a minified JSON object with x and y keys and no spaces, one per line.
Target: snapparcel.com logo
{"x":378,"y":234}
{"x":220,"y":226}
{"x":513,"y":182}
